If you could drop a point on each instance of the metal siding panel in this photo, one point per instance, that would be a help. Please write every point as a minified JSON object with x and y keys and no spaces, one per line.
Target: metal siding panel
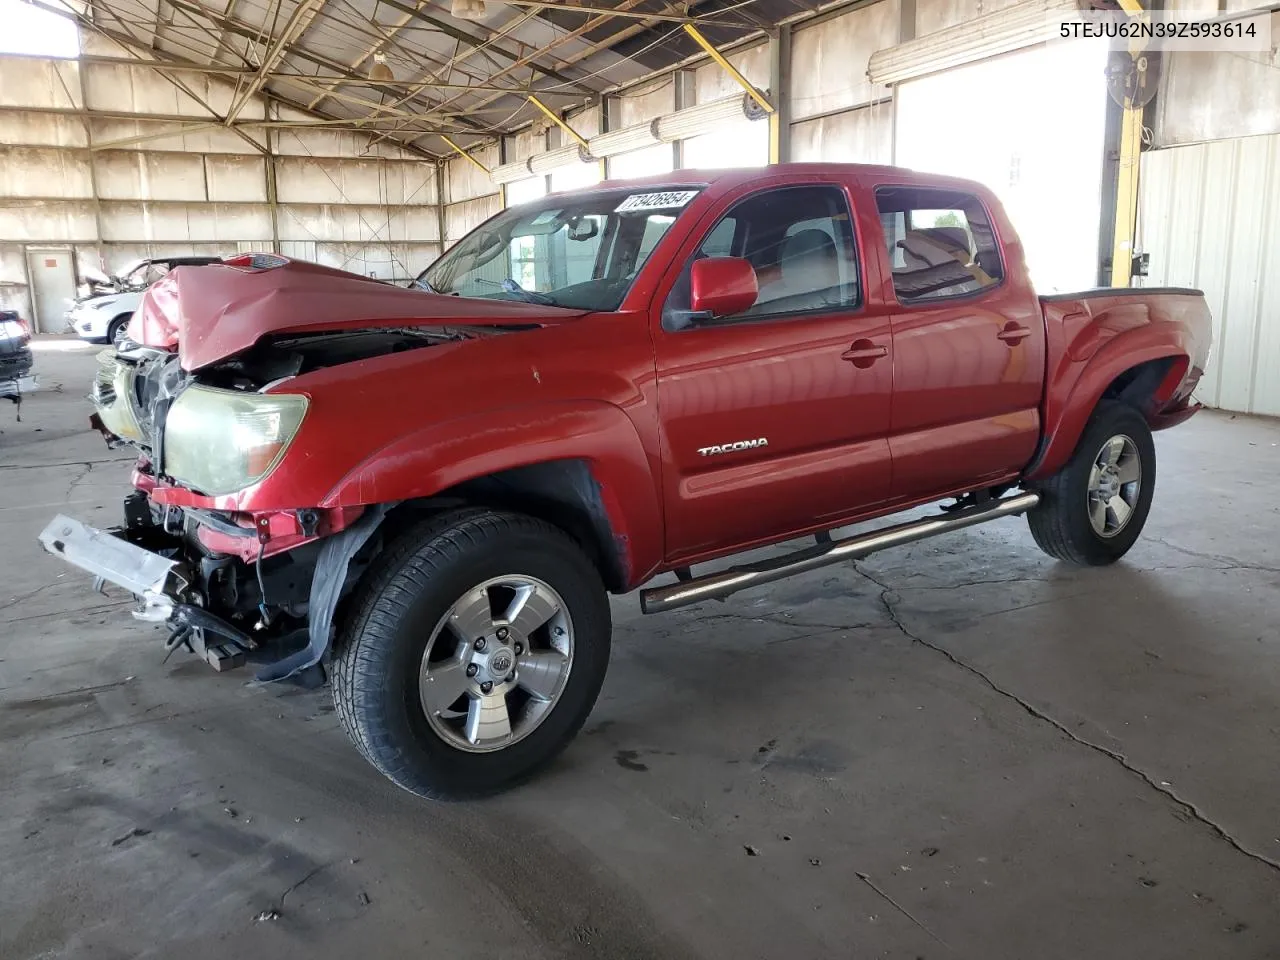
{"x":1210,"y":214}
{"x":1213,"y":231}
{"x":712,"y":82}
{"x":647,"y":103}
{"x":935,"y":15}
{"x":585,"y":122}
{"x":1200,"y":96}
{"x":44,"y":172}
{"x":1239,"y":338}
{"x":463,"y":180}
{"x":231,"y":179}
{"x":461,"y":218}
{"x":1186,"y":189}
{"x":864,"y":135}
{"x":61,"y":221}
{"x":39,"y":83}
{"x":1264,"y":386}
{"x":42,"y":130}
{"x":829,"y":60}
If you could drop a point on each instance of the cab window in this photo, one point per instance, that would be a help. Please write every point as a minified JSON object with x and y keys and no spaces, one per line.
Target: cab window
{"x":940,"y":243}
{"x":800,"y":242}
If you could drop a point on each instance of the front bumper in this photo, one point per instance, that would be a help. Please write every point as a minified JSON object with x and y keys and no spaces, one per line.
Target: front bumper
{"x":156,"y":580}
{"x":16,"y":365}
{"x":161,"y":584}
{"x":88,"y":324}
{"x":18,"y":386}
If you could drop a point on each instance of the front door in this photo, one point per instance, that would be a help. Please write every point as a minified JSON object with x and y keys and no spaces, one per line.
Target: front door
{"x":774,"y":420}
{"x":968,"y":346}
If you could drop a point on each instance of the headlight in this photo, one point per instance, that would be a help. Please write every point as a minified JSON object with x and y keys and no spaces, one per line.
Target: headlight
{"x":111,"y":392}
{"x":221,"y":441}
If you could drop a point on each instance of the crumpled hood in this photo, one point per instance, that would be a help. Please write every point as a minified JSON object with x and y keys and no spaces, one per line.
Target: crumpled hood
{"x":216,"y":311}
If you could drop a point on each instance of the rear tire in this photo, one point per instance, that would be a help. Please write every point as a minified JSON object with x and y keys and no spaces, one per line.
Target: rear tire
{"x":476,"y":649}
{"x":1093,"y":509}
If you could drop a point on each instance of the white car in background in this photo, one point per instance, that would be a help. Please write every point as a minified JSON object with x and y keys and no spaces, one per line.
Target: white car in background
{"x":102,"y":316}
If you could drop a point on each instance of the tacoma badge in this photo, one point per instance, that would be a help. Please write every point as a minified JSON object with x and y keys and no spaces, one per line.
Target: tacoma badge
{"x":733,"y":447}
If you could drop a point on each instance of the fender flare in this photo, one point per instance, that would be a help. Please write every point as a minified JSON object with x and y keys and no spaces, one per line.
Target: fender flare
{"x":1101,"y":361}
{"x":447,"y":453}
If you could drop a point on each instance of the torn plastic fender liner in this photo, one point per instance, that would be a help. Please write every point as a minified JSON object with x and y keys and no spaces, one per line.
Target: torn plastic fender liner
{"x":326,"y":589}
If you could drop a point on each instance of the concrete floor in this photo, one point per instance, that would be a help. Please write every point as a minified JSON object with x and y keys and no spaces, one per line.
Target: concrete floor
{"x":957,"y":749}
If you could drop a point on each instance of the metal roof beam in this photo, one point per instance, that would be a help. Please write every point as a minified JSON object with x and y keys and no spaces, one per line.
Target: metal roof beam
{"x":298,"y":22}
{"x":244,"y":30}
{"x":465,"y":37}
{"x":708,"y":21}
{"x":572,"y":35}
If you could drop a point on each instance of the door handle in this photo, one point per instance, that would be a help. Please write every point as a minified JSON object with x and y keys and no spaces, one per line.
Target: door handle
{"x":863,"y":353}
{"x":1013,"y":333}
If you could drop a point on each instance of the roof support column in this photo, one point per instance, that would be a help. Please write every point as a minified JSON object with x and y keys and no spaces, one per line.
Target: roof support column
{"x":780,"y":94}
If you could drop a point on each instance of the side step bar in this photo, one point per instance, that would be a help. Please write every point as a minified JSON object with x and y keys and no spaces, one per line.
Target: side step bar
{"x":717,"y":586}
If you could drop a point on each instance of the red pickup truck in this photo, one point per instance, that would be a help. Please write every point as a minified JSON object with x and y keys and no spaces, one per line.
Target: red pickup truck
{"x":425,"y":494}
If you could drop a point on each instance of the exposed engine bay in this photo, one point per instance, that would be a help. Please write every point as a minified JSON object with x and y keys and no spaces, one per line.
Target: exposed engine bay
{"x":243,"y":595}
{"x":134,"y":385}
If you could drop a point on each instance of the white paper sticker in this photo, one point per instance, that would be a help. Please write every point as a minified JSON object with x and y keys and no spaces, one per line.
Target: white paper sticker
{"x":666,"y":200}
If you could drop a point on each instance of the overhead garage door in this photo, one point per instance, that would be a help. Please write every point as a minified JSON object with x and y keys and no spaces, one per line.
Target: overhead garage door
{"x":1029,"y":125}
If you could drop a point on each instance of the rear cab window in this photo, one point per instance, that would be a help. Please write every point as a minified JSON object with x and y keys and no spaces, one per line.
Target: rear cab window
{"x":940,"y":243}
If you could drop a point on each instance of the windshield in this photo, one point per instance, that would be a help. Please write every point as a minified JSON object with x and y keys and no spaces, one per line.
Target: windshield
{"x":581,"y":250}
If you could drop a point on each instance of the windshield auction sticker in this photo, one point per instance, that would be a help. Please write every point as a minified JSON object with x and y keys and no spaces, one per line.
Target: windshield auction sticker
{"x":668,"y":200}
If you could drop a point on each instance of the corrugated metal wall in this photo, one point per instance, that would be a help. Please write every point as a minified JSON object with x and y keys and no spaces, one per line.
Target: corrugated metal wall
{"x":1209,"y":216}
{"x":342,"y":201}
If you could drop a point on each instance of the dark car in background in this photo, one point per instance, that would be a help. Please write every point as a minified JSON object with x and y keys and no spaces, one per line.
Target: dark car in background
{"x":15,"y":356}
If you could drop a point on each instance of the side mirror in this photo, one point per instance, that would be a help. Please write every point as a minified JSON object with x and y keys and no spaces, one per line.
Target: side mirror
{"x":722,"y":286}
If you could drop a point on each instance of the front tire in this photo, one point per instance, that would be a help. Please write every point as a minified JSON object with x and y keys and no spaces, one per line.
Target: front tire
{"x":116,"y":331}
{"x":476,"y":650}
{"x":1093,"y":509}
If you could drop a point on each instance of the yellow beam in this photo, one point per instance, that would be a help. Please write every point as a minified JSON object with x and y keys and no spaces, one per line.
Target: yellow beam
{"x":557,"y":121}
{"x":1129,"y":159}
{"x":450,"y":142}
{"x":729,"y":68}
{"x":1130,"y":155}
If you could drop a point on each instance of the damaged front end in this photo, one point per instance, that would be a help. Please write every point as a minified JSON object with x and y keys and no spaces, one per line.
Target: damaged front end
{"x":234,"y":585}
{"x":228,"y":537}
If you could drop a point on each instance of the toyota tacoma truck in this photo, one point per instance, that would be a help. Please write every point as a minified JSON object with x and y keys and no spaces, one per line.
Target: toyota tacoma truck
{"x":424,"y":496}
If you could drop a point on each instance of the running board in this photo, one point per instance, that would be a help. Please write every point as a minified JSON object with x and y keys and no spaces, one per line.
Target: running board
{"x":717,"y":586}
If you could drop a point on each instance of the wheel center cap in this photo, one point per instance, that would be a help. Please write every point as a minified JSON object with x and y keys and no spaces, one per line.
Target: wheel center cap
{"x":501,"y":662}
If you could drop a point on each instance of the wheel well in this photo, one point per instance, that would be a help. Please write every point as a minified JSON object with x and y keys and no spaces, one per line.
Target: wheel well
{"x":562,"y":492}
{"x":118,"y":318}
{"x":1140,"y":386}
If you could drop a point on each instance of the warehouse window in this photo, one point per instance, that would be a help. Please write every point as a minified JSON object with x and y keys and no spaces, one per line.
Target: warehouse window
{"x":940,"y":243}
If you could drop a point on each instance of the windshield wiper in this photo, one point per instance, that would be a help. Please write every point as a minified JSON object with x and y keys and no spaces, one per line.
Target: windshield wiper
{"x":528,"y":296}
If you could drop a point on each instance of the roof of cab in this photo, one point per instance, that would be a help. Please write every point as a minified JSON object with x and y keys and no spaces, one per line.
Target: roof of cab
{"x":739,"y":175}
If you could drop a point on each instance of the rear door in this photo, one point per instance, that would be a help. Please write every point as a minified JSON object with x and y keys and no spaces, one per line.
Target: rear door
{"x":968,"y":344}
{"x":773,"y":420}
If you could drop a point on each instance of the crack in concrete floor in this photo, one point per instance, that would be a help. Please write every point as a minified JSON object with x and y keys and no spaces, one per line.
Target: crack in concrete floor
{"x":1187,"y":806}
